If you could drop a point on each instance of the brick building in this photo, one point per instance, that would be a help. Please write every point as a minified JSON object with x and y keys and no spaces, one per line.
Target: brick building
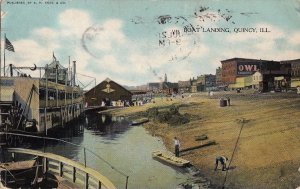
{"x":241,"y":67}
{"x":235,"y":68}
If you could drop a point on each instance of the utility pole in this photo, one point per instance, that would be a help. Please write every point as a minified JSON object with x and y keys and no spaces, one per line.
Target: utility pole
{"x":0,"y":40}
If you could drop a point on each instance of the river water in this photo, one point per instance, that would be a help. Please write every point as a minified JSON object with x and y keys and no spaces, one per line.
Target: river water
{"x":121,"y":150}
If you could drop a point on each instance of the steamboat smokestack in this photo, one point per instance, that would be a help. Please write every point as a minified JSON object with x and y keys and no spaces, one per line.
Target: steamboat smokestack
{"x":74,"y":73}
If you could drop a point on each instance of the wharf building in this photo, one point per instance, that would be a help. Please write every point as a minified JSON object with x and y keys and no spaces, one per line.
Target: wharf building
{"x":238,"y":73}
{"x":108,"y":93}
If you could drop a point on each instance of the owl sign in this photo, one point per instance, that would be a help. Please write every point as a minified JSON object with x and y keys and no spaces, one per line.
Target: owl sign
{"x":247,"y":69}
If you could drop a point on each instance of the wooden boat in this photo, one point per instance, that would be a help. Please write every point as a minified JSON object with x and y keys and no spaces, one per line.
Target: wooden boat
{"x":201,"y":137}
{"x":170,"y":159}
{"x":16,"y":174}
{"x":140,"y":121}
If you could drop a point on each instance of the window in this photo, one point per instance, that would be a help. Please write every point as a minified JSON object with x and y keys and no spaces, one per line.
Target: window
{"x":42,"y":94}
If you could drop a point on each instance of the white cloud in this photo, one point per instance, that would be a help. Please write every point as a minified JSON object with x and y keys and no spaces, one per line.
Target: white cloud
{"x":46,"y":37}
{"x":74,"y":22}
{"x":275,"y":45}
{"x":29,"y":52}
{"x":287,"y":55}
{"x":109,"y":63}
{"x":104,"y":37}
{"x":294,"y":39}
{"x":139,"y":62}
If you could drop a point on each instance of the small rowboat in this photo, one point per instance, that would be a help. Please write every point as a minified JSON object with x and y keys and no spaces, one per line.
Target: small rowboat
{"x":15,"y":174}
{"x":200,"y":137}
{"x":170,"y":159}
{"x":140,"y":121}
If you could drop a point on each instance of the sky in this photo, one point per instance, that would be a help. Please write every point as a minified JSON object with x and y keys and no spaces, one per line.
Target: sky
{"x":136,"y":42}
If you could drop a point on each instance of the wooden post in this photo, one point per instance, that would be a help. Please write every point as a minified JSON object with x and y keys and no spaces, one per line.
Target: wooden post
{"x":84,"y":157}
{"x":44,"y":145}
{"x":99,"y":184}
{"x":0,"y":107}
{"x":46,"y":161}
{"x":86,"y":180}
{"x":45,"y":167}
{"x":61,"y":169}
{"x":5,"y":178}
{"x":13,"y":157}
{"x":11,"y":70}
{"x":74,"y":174}
{"x":127,"y":182}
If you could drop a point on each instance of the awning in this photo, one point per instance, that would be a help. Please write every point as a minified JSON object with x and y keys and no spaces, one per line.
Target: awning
{"x":279,"y":78}
{"x":295,"y":83}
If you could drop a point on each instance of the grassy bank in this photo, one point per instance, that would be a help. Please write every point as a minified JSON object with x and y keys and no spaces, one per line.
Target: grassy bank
{"x":267,"y":154}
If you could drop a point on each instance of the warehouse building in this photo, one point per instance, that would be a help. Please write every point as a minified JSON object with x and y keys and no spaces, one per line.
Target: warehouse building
{"x":108,"y":93}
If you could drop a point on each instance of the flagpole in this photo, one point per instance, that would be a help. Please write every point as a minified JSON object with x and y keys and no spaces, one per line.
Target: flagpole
{"x":0,"y":54}
{"x":0,"y":36}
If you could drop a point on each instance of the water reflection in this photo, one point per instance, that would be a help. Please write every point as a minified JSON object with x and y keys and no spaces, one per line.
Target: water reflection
{"x":106,"y":125}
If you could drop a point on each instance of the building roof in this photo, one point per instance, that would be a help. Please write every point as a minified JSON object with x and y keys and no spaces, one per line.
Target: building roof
{"x":251,"y":59}
{"x":108,"y":80}
{"x":290,"y":61}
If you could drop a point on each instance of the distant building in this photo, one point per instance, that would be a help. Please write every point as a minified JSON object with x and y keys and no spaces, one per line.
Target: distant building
{"x":295,"y":67}
{"x":204,"y":83}
{"x":154,"y":86}
{"x":219,"y":76}
{"x":195,"y":86}
{"x":257,"y":78}
{"x":208,"y":81}
{"x":169,"y":88}
{"x":107,"y":92}
{"x":295,"y":71}
{"x":164,"y":87}
{"x":184,"y":86}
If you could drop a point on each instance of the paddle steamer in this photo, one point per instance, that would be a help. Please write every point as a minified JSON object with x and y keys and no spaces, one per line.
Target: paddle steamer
{"x":38,"y":104}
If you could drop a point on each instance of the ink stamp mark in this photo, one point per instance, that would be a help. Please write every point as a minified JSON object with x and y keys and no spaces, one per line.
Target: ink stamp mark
{"x":88,"y":37}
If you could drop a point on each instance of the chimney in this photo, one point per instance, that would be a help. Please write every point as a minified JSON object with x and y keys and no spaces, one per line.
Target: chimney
{"x":74,"y":73}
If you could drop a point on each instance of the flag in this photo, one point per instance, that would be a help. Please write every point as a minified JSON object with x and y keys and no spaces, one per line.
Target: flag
{"x":54,"y":58}
{"x":8,"y":45}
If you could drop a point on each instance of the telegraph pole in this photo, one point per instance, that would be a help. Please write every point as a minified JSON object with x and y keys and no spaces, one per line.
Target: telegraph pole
{"x":0,"y":38}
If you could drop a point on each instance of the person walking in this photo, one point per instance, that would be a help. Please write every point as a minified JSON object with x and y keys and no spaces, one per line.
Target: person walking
{"x":223,"y":160}
{"x":177,"y":146}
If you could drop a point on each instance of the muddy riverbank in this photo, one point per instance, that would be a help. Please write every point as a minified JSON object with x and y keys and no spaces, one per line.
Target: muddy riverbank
{"x":259,"y":132}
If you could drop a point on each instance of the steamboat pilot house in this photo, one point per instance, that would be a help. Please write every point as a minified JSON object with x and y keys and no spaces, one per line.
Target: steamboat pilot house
{"x":43,"y":103}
